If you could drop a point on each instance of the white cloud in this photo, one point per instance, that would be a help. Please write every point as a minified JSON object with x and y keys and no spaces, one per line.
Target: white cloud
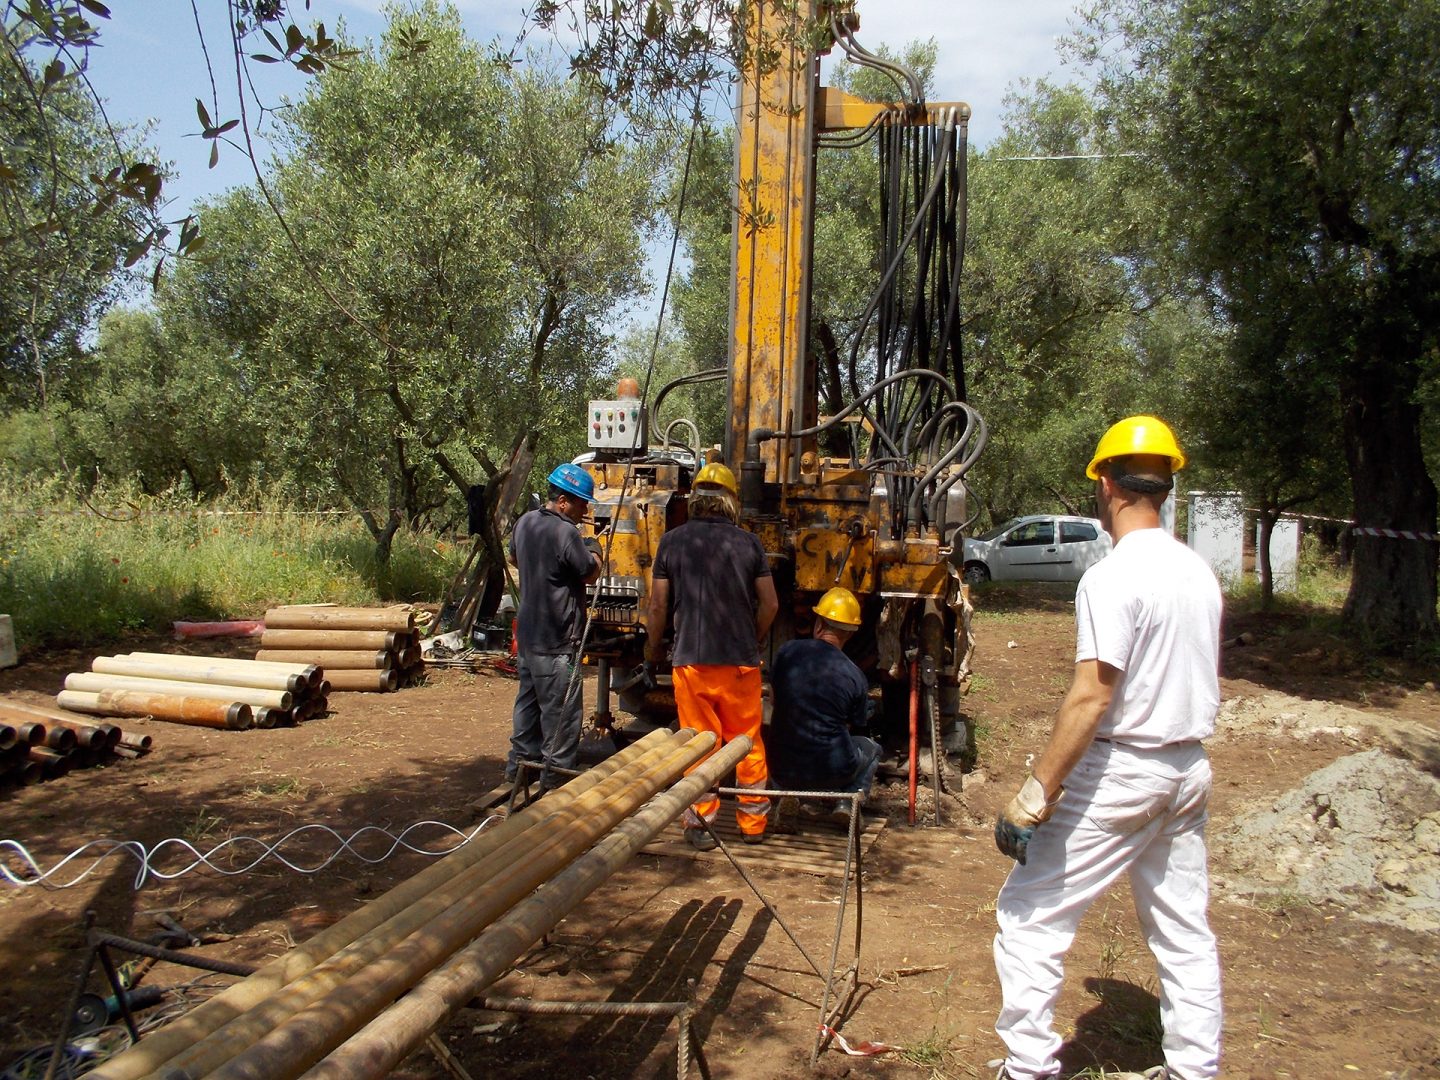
{"x":985,"y":47}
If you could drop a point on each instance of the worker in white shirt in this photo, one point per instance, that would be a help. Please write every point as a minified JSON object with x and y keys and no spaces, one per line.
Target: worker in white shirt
{"x":1123,"y":785}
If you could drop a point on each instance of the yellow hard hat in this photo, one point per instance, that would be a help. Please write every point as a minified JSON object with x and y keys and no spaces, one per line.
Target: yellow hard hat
{"x":718,"y":475}
{"x":839,"y":606}
{"x":1136,"y":435}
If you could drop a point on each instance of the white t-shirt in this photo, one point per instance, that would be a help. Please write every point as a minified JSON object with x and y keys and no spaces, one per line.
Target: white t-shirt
{"x":1151,"y":608}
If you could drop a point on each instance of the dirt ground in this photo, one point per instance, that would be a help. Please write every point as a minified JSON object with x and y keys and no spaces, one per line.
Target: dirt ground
{"x":1326,"y":913}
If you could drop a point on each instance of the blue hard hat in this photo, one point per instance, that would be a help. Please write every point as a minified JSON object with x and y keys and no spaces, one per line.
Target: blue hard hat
{"x":573,"y":480}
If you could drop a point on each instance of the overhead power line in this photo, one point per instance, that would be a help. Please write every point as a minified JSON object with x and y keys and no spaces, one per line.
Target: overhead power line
{"x":1061,"y":157}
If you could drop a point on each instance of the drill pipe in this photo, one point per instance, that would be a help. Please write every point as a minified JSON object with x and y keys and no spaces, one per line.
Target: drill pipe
{"x":94,"y":683}
{"x":383,"y":1043}
{"x":299,"y":617}
{"x":25,"y":712}
{"x":332,"y":659}
{"x":161,"y":1046}
{"x":334,"y":639}
{"x":214,"y":674}
{"x":347,"y":1003}
{"x":31,"y":733}
{"x":201,"y":712}
{"x":378,"y":681}
{"x":54,"y":763}
{"x":59,"y":738}
{"x":86,"y":735}
{"x":7,"y":736}
{"x":310,"y":671}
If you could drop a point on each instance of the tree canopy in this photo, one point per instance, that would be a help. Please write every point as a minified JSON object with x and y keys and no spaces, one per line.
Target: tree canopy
{"x":425,"y":276}
{"x":1299,"y":147}
{"x":65,"y":234}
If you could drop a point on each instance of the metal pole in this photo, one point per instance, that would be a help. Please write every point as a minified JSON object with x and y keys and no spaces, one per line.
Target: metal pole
{"x":852,"y":857}
{"x":914,"y":736}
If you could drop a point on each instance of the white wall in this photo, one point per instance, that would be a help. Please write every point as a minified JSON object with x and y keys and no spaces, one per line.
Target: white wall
{"x":1217,"y":532}
{"x":1284,"y":553}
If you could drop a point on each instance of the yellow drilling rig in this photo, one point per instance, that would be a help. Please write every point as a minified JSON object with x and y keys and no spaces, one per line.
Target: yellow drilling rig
{"x":883,"y":516}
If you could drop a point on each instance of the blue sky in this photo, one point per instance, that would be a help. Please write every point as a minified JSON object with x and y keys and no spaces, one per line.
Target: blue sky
{"x":151,"y":68}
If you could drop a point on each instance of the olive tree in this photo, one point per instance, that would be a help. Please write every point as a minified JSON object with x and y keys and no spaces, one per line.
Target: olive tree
{"x":1297,"y":147}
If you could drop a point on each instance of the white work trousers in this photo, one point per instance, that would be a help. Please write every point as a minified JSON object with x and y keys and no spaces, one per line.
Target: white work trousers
{"x":1125,"y":809}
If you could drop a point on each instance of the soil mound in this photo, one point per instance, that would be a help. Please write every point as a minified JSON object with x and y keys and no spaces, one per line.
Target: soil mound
{"x":1364,"y":832}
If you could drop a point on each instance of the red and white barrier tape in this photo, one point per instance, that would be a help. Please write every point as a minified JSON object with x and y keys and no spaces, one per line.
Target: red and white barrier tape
{"x":1394,"y":534}
{"x":860,"y":1049}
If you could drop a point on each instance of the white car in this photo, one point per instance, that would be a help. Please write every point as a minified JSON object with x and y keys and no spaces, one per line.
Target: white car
{"x":1040,"y":547}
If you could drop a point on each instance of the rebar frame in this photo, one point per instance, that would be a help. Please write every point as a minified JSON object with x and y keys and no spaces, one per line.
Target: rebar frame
{"x":99,"y":945}
{"x":682,"y":1011}
{"x":848,"y":980}
{"x":850,"y":977}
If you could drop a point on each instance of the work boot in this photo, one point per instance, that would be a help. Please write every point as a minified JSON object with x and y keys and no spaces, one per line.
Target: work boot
{"x":700,"y":840}
{"x":1003,"y":1075}
{"x":1156,"y":1072}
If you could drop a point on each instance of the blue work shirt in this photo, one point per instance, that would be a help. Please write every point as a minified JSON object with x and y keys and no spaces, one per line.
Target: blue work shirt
{"x":819,"y":694}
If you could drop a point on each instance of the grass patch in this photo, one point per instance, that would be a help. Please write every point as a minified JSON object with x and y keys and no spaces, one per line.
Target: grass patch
{"x":1126,"y":1016}
{"x":279,"y":787}
{"x":933,"y":1052}
{"x":1280,"y":905}
{"x":73,"y":576}
{"x":201,"y":827}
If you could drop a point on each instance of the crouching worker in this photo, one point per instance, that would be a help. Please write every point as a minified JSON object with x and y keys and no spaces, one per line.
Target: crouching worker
{"x":820,"y":696}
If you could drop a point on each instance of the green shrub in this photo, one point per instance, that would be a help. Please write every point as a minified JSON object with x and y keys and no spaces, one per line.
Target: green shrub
{"x":74,"y":575}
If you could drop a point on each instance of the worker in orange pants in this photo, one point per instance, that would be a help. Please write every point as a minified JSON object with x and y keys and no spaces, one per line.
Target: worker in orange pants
{"x":711,"y":581}
{"x":725,"y":699}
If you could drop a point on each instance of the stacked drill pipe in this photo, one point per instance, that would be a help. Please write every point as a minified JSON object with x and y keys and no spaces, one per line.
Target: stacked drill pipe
{"x":364,"y":649}
{"x":37,"y":743}
{"x":201,"y":691}
{"x":294,"y":1011}
{"x":306,"y":683}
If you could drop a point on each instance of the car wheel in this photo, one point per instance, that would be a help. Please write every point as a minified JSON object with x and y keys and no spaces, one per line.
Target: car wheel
{"x":976,"y":573}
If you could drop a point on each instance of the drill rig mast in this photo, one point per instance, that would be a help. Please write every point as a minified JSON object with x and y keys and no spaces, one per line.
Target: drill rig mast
{"x":882,"y":515}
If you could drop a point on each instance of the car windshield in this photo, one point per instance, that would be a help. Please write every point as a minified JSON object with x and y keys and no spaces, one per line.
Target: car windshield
{"x":993,"y":533}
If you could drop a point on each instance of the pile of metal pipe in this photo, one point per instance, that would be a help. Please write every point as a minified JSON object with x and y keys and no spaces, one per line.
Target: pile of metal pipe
{"x":204,"y":691}
{"x":298,"y":1010}
{"x":365,"y":649}
{"x":38,"y":743}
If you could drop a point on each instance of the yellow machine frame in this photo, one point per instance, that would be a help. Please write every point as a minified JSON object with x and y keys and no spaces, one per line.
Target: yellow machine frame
{"x":822,"y":521}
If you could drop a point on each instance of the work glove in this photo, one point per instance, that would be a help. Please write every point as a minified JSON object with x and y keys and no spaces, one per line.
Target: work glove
{"x":1028,"y":809}
{"x":593,"y":546}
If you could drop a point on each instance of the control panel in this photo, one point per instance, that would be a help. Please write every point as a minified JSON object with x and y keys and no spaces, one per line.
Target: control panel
{"x":614,"y":425}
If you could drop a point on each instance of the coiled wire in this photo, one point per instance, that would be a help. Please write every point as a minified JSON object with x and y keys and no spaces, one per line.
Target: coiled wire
{"x":19,"y":867}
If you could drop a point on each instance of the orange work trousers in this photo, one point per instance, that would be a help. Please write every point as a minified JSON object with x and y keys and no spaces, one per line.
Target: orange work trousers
{"x":725,"y":699}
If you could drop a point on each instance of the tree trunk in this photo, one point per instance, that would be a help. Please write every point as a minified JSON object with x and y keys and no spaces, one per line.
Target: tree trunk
{"x":1266,"y":518}
{"x":1392,"y":587}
